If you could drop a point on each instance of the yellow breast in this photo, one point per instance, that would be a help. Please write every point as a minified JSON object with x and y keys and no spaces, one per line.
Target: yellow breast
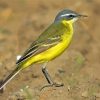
{"x":55,"y":51}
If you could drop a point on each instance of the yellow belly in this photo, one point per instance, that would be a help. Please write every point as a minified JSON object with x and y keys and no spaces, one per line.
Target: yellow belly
{"x":53,"y":52}
{"x":50,"y":53}
{"x":56,"y":50}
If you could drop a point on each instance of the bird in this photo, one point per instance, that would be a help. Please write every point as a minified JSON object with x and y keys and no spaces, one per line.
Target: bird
{"x":51,"y":43}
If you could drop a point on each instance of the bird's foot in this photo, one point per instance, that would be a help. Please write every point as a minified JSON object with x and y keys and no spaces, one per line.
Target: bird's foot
{"x":53,"y":85}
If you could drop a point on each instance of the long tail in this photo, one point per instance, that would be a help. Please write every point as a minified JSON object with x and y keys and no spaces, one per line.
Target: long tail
{"x":10,"y":77}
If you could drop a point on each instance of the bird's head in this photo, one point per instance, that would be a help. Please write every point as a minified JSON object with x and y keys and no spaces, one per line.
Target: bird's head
{"x":68,"y":16}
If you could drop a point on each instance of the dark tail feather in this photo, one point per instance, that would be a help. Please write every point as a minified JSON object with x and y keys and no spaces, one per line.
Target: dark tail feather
{"x":11,"y":76}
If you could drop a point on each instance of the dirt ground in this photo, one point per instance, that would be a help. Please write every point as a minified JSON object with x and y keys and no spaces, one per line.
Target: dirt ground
{"x":21,"y":22}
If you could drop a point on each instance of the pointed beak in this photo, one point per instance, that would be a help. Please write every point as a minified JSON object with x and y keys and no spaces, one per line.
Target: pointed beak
{"x":79,"y":16}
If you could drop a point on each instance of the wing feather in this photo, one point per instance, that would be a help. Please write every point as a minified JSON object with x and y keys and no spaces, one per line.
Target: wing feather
{"x":50,"y":37}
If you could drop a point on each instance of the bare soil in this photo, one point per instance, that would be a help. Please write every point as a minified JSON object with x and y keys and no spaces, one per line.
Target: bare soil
{"x":22,"y":21}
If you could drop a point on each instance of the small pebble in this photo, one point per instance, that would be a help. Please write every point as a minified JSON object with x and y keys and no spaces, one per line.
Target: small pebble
{"x":61,"y":70}
{"x":85,"y":94}
{"x":69,"y":88}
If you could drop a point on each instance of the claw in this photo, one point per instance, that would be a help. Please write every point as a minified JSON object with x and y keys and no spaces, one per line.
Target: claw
{"x":52,"y":85}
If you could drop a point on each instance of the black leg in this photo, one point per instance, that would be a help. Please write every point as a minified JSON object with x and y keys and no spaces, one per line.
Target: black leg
{"x":49,"y":79}
{"x":47,"y":76}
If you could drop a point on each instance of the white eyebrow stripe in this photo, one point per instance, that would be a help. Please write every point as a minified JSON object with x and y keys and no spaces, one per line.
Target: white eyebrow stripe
{"x":66,"y":15}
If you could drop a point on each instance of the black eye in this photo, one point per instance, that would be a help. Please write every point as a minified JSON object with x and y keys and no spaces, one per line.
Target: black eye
{"x":71,"y":16}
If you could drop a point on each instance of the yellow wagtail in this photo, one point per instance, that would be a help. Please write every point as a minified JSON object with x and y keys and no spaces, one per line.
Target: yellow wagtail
{"x":50,"y":44}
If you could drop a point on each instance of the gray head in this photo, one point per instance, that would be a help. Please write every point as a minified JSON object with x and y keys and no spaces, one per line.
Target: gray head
{"x":68,"y":15}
